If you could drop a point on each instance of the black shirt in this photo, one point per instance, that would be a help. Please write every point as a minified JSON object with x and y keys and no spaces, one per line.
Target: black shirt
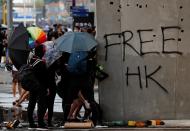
{"x":41,"y":72}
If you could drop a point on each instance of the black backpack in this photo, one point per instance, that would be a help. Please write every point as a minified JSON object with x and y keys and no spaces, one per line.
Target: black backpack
{"x":27,"y":78}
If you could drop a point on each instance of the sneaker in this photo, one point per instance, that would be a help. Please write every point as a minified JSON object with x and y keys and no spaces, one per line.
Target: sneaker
{"x":32,"y":126}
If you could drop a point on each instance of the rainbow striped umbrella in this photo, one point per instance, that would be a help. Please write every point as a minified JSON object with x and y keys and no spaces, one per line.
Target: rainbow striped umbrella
{"x":37,"y":34}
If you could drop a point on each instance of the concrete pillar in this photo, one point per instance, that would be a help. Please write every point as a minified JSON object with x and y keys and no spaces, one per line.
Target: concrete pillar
{"x":144,"y":47}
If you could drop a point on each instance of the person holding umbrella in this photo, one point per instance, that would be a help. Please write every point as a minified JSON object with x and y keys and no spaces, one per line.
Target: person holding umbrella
{"x":51,"y":58}
{"x":41,"y":73}
{"x":18,"y":47}
{"x":78,"y":45}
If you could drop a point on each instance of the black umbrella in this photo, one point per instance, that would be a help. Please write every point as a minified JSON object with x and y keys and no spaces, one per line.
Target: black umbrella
{"x":18,"y":46}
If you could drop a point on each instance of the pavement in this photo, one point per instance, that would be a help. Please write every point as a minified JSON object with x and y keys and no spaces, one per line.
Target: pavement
{"x":7,"y":111}
{"x":6,"y":97}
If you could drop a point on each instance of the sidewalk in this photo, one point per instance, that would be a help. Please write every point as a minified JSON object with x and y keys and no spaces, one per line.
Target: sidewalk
{"x":6,"y":97}
{"x":7,"y":110}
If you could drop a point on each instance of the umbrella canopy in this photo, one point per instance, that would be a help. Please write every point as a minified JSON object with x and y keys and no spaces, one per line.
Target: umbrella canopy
{"x":19,"y":38}
{"x":75,"y":41}
{"x":18,"y":57}
{"x":32,"y":43}
{"x":51,"y":54}
{"x":37,"y":34}
{"x":18,"y":46}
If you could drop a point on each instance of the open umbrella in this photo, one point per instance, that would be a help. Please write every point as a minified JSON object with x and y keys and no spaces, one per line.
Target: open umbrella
{"x":37,"y":34}
{"x":32,"y":43}
{"x":51,"y":54}
{"x":75,"y":41}
{"x":18,"y":46}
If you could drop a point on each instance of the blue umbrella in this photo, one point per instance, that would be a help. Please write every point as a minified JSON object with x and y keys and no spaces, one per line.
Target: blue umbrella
{"x":75,"y":41}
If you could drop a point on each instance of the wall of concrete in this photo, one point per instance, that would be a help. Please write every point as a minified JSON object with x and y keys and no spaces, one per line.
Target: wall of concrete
{"x":144,"y":47}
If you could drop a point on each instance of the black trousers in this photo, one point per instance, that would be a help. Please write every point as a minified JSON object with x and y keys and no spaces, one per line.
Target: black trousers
{"x":1,"y":50}
{"x":50,"y":104}
{"x":40,"y":98}
{"x":71,"y":90}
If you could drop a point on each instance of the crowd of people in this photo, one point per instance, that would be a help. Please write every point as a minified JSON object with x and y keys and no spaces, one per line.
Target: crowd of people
{"x":75,"y":90}
{"x":3,"y":43}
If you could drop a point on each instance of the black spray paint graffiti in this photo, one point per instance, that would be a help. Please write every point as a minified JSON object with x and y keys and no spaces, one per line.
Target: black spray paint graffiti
{"x":141,"y":52}
{"x":148,"y":77}
{"x":168,"y":39}
{"x":127,"y":36}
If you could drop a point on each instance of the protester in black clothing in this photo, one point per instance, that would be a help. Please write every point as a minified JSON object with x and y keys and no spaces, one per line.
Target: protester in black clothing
{"x":52,"y":92}
{"x":41,"y":73}
{"x":71,"y":85}
{"x":85,"y":86}
{"x":2,"y":37}
{"x":62,"y":86}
